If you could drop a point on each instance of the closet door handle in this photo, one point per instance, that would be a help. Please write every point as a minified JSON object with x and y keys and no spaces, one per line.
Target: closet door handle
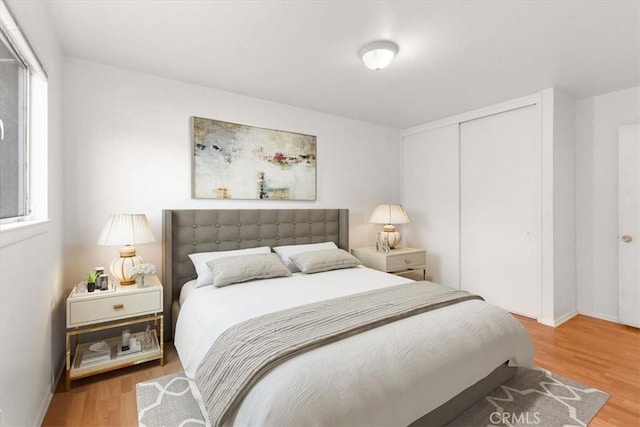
{"x":626,"y":238}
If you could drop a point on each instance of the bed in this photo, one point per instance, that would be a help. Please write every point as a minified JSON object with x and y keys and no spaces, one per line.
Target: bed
{"x":421,"y":370}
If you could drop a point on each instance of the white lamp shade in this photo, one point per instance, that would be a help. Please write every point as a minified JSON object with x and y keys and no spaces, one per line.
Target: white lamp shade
{"x":389,"y":214}
{"x":378,"y":55}
{"x":125,"y":230}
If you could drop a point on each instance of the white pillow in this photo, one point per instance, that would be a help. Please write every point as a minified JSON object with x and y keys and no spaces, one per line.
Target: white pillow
{"x":284,"y":252}
{"x":324,"y":260}
{"x":199,"y":260}
{"x":242,"y":268}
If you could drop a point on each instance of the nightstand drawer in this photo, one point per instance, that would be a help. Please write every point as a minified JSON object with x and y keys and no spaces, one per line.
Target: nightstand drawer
{"x":410,"y":260}
{"x":87,"y":311}
{"x":396,"y":261}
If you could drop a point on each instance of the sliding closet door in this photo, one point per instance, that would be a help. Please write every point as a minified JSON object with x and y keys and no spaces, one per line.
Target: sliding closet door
{"x":430,"y":196}
{"x":500,"y":214}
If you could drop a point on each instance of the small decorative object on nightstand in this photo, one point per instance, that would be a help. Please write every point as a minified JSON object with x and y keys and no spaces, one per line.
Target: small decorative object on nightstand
{"x":91,"y":281}
{"x":143,"y":271}
{"x":120,"y":309}
{"x":398,"y":261}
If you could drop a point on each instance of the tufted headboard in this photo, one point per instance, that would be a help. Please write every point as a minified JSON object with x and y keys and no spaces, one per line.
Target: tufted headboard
{"x":188,"y":231}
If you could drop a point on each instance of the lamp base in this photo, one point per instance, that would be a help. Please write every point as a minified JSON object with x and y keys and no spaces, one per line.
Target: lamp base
{"x":122,"y":267}
{"x":393,"y":237}
{"x":390,"y":235}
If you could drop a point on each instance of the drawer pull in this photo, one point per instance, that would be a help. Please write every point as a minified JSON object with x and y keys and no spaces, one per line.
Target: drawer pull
{"x":118,"y":306}
{"x":407,"y":261}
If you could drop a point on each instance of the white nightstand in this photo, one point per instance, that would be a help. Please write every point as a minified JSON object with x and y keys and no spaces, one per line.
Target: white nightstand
{"x":396,"y":261}
{"x":116,"y":308}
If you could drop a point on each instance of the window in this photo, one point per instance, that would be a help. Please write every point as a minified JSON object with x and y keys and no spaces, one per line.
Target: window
{"x":20,"y":73}
{"x":13,"y":137}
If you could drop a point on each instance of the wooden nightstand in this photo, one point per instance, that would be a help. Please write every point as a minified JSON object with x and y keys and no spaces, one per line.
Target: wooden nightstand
{"x":396,"y":261}
{"x":116,"y":308}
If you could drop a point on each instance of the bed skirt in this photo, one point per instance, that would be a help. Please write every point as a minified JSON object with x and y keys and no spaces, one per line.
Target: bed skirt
{"x":457,"y":404}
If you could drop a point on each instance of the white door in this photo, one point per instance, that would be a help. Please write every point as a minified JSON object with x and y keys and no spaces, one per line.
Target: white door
{"x":430,"y":197}
{"x":500,"y":213}
{"x":629,"y":224}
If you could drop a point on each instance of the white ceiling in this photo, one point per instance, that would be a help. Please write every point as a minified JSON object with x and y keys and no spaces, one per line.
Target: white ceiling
{"x":454,"y":55}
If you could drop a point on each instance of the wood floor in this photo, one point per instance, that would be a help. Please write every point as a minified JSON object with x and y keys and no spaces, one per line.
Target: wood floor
{"x":601,"y":354}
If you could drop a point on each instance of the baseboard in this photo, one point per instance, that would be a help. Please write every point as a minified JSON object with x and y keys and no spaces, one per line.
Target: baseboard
{"x":568,"y":316}
{"x":46,"y":401}
{"x":61,"y":371}
{"x":600,"y":316}
{"x":565,"y":317}
{"x":560,"y":320}
{"x":547,"y":322}
{"x":44,"y":405}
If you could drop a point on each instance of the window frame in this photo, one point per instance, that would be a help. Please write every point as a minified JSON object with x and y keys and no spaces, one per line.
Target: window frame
{"x":15,"y":40}
{"x":24,"y":80}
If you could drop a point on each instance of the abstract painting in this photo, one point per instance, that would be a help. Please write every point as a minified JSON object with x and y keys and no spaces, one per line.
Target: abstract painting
{"x":234,"y":161}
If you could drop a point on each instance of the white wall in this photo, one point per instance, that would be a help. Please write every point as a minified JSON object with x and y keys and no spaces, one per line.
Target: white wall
{"x":129,"y":150}
{"x":31,"y":287}
{"x":597,"y":122}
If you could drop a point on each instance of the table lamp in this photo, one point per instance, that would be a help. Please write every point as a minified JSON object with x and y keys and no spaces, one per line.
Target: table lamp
{"x":388,"y":215}
{"x":126,"y":230}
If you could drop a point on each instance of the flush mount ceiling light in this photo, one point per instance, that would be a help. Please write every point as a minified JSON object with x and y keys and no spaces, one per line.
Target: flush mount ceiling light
{"x":378,"y":55}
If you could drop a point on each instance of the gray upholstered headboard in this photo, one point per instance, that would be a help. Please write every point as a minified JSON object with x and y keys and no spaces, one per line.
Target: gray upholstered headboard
{"x":188,"y":231}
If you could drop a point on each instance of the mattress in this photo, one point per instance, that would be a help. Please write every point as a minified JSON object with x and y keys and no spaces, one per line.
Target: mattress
{"x":391,"y":375}
{"x":186,"y":290}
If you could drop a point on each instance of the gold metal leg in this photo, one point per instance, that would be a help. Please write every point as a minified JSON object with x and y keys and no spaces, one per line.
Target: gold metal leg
{"x":161,"y":338}
{"x":68,"y":356}
{"x":75,"y":333}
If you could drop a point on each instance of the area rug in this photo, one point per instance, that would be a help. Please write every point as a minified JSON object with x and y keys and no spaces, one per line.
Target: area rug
{"x":533,"y":397}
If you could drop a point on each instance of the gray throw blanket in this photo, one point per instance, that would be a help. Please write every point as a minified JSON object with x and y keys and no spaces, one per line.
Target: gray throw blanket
{"x":249,"y":350}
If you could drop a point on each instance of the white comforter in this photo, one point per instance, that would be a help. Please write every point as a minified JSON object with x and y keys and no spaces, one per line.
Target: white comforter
{"x":391,"y":375}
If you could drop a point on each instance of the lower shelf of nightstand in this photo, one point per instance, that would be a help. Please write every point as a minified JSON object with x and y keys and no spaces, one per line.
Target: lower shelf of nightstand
{"x":408,"y":271}
{"x":149,"y":352}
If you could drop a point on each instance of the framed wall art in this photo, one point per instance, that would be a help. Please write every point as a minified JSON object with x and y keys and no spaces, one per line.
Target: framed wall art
{"x":235,"y":161}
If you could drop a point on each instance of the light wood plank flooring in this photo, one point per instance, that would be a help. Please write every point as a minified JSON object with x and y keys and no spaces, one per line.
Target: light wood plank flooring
{"x":602,"y":354}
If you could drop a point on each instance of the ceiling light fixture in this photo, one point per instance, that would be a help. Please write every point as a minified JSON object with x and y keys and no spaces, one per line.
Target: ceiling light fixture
{"x":378,"y":55}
